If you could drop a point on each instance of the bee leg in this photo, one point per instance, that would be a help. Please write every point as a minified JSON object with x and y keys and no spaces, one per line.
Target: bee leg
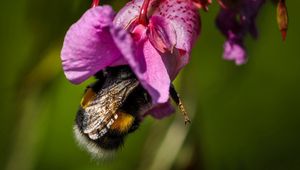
{"x":175,"y":96}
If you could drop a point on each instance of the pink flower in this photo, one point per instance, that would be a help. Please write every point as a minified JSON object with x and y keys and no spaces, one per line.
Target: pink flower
{"x":154,"y":38}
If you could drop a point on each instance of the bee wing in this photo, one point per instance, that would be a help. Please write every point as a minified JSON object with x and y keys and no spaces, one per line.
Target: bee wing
{"x":98,"y":115}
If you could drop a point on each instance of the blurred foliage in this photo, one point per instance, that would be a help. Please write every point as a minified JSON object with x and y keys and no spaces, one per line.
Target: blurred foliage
{"x":245,"y":117}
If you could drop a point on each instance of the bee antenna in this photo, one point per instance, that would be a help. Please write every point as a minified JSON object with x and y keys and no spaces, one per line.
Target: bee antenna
{"x":175,"y":96}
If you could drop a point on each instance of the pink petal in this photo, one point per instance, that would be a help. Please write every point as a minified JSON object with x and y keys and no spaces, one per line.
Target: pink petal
{"x":128,"y":15}
{"x":236,"y":52}
{"x":161,"y":110}
{"x":174,"y":62}
{"x":88,"y":46}
{"x":180,"y":15}
{"x":146,"y":63}
{"x":125,"y":44}
{"x":161,"y":34}
{"x":152,"y":73}
{"x":202,"y":4}
{"x":185,"y":19}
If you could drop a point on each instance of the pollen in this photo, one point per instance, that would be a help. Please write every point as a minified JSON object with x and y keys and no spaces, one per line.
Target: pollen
{"x":123,"y":122}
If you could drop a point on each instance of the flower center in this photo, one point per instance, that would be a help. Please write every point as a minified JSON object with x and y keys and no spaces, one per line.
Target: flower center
{"x":143,"y":19}
{"x":138,"y":32}
{"x":95,"y":3}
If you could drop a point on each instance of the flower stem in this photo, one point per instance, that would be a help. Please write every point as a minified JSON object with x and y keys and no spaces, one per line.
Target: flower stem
{"x":95,"y":3}
{"x":143,"y":19}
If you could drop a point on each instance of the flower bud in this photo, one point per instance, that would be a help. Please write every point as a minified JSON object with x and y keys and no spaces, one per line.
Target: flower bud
{"x":282,"y":18}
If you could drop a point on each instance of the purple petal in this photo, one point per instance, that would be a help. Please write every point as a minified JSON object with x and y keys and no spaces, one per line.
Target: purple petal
{"x":88,"y":46}
{"x":235,"y":21}
{"x":161,"y":110}
{"x":227,"y":22}
{"x":249,"y":11}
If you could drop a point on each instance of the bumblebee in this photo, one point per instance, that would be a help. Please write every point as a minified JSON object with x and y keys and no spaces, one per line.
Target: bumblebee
{"x":110,"y":109}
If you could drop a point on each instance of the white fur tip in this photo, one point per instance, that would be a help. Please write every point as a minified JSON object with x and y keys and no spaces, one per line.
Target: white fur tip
{"x":96,"y":151}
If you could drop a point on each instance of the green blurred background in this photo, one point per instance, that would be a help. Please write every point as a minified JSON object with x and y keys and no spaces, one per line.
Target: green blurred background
{"x":245,"y":117}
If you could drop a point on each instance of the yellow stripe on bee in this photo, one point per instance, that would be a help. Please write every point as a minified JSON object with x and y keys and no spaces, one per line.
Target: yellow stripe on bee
{"x":123,"y":123}
{"x":89,"y":96}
